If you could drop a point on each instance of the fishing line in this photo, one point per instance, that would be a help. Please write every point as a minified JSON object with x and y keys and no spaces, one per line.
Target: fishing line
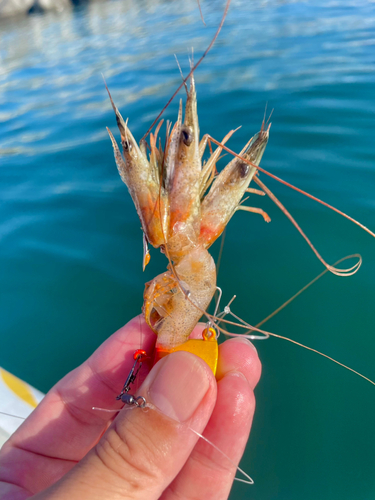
{"x":14,"y":416}
{"x":192,"y":69}
{"x":248,"y":479}
{"x":276,"y":311}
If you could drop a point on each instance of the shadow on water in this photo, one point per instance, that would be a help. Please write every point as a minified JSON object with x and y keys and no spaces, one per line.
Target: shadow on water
{"x":71,"y":247}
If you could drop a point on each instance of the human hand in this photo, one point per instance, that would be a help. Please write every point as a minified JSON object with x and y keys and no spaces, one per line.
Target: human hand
{"x":64,"y":449}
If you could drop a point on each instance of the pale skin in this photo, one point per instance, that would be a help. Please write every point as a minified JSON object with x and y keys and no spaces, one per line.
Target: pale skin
{"x":67,"y":450}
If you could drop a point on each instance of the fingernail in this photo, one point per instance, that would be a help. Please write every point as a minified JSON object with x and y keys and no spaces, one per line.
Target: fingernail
{"x":243,"y":340}
{"x":179,"y":386}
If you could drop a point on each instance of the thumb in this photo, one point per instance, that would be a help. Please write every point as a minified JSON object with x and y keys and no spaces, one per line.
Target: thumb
{"x":144,"y":449}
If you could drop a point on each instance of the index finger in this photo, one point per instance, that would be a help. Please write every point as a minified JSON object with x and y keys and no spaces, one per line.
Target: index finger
{"x":64,"y":425}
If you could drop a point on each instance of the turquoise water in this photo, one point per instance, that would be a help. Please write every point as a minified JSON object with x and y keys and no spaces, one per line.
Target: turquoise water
{"x":71,"y":249}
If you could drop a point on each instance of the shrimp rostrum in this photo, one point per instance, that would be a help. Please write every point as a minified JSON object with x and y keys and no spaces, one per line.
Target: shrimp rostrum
{"x":184,"y":206}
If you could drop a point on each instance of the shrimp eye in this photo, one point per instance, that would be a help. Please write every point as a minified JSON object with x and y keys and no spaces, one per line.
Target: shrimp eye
{"x":239,"y":171}
{"x":243,"y":169}
{"x":127,"y":146}
{"x":187,"y":136}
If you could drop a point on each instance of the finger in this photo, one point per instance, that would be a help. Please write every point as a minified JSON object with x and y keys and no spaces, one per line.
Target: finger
{"x":143,"y":450}
{"x":239,"y":355}
{"x":63,"y":428}
{"x":208,"y":474}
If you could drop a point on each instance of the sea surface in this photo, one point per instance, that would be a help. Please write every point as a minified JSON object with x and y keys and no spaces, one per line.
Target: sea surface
{"x":70,"y":240}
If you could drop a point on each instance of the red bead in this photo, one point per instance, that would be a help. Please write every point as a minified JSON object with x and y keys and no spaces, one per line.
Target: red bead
{"x":140,"y":355}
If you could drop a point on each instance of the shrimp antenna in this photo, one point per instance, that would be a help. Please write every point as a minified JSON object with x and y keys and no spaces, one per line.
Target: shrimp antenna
{"x":291,"y":186}
{"x":269,"y":118}
{"x":241,"y":323}
{"x":316,"y":199}
{"x":182,"y":76}
{"x":264,"y":118}
{"x":192,"y":58}
{"x":221,"y":250}
{"x":200,"y":11}
{"x":192,"y":69}
{"x":339,"y":272}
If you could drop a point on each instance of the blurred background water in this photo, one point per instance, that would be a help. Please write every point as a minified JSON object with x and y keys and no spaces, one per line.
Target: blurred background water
{"x":71,"y":247}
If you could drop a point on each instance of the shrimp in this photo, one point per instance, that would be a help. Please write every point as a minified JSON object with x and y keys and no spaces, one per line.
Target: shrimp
{"x":168,"y":189}
{"x":346,"y":327}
